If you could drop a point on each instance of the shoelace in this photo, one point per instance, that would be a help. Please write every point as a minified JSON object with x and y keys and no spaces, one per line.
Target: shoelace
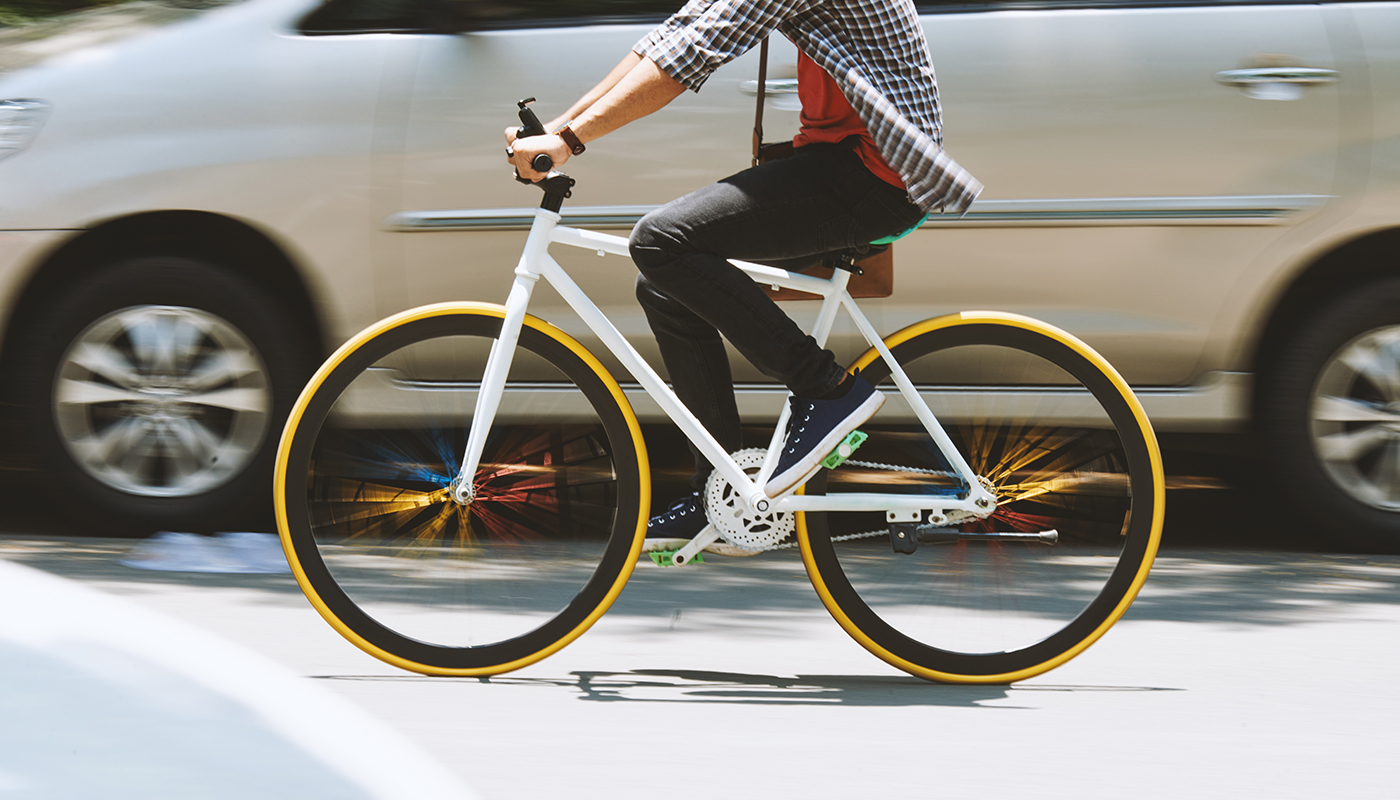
{"x":792,"y":419}
{"x":806,"y":417}
{"x":681,"y":507}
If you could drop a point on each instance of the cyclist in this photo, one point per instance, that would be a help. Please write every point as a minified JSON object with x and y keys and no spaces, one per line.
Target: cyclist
{"x":868,"y":163}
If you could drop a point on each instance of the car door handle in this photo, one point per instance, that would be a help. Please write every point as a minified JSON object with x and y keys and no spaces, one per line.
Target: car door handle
{"x":1298,"y":76}
{"x":775,"y":86}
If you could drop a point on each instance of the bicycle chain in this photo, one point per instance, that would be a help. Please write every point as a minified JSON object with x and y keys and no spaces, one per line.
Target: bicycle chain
{"x":869,"y":534}
{"x":897,"y":468}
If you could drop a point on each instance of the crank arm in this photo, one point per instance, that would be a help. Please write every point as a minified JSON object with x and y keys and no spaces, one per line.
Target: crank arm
{"x":701,"y":540}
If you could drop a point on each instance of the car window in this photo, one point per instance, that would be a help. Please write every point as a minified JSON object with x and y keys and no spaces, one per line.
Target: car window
{"x":442,"y":16}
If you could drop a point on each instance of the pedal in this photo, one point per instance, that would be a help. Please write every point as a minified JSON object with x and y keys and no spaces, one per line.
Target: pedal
{"x":679,"y":552}
{"x":667,"y":558}
{"x":844,"y":450}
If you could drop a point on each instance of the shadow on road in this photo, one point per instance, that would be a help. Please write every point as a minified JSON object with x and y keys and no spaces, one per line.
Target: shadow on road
{"x":752,"y":597}
{"x":692,"y":687}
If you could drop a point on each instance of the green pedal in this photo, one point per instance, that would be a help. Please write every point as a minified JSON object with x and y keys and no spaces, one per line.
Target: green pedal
{"x":666,"y":558}
{"x":845,"y":450}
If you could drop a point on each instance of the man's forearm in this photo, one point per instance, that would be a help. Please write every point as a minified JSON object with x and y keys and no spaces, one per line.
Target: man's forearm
{"x":643,"y":90}
{"x":618,"y":73}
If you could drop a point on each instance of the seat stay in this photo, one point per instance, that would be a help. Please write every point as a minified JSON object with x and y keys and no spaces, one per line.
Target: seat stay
{"x":977,"y":493}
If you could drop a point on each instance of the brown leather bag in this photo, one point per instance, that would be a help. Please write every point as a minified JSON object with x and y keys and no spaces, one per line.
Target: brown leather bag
{"x":877,"y":270}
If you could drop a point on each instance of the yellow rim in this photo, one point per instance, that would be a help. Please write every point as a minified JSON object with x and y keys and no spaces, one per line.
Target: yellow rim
{"x":1158,"y":495}
{"x":355,"y":343}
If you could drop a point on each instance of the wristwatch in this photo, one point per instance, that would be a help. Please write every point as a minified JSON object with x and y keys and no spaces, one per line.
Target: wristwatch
{"x":571,"y":139}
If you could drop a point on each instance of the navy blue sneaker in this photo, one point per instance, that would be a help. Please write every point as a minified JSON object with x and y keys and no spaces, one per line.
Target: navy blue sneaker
{"x":815,"y":427}
{"x":683,"y":520}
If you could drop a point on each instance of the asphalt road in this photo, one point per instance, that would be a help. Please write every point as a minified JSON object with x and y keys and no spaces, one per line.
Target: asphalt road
{"x":1238,"y":673}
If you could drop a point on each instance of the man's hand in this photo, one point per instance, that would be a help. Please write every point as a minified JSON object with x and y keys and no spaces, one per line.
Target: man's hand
{"x":635,"y":88}
{"x":521,"y":152}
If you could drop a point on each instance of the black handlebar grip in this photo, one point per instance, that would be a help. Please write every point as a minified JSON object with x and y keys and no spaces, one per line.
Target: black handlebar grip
{"x":530,"y":124}
{"x":542,"y":163}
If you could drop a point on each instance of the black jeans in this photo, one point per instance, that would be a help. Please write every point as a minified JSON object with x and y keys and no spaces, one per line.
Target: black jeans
{"x":786,"y":213}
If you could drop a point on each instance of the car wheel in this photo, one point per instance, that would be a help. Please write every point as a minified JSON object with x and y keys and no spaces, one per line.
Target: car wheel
{"x":155,"y":392}
{"x":1329,"y":410}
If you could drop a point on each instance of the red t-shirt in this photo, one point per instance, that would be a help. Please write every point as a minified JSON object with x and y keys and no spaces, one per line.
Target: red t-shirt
{"x":828,"y":117}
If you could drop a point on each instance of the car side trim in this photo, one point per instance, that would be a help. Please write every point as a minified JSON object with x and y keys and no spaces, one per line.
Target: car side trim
{"x":1216,"y":401}
{"x":1079,"y":212}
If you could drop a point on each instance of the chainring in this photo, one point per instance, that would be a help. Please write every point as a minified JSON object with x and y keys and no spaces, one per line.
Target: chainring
{"x":725,"y":509}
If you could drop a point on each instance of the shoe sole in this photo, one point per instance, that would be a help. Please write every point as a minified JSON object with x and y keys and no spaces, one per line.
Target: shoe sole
{"x":718,"y":547}
{"x":798,"y":473}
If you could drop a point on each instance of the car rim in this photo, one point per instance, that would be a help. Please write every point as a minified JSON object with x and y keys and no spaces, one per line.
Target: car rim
{"x":1355,"y":412}
{"x":162,"y":401}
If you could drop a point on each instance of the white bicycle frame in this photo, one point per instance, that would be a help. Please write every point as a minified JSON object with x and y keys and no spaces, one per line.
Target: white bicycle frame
{"x":536,"y":263}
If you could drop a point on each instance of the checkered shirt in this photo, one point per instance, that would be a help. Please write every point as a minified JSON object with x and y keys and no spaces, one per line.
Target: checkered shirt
{"x":874,"y":49}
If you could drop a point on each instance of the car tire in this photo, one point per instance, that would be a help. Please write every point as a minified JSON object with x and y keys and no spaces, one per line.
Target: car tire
{"x":154,"y":393}
{"x":1329,"y":414}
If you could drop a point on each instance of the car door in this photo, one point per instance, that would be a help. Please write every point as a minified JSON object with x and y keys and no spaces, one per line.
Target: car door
{"x":1137,"y":160}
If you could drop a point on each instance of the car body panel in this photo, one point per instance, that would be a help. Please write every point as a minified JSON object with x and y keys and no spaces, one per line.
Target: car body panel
{"x":1132,"y":198}
{"x":1194,"y":187}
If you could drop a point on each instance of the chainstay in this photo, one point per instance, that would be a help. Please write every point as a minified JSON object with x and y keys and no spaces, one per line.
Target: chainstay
{"x":846,"y":538}
{"x":882,"y":531}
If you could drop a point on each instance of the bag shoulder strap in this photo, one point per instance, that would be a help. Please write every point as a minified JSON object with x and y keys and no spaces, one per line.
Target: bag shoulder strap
{"x":758,"y":112}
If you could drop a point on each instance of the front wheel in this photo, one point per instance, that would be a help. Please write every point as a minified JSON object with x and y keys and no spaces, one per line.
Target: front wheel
{"x":364,"y":493}
{"x":1057,"y":435}
{"x":153,"y":389}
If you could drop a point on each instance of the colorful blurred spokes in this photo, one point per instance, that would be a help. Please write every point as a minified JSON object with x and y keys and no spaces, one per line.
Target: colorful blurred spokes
{"x":417,"y":561}
{"x":1054,"y":462}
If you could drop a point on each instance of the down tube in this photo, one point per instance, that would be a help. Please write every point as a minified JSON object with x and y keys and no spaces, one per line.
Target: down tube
{"x":613,"y":339}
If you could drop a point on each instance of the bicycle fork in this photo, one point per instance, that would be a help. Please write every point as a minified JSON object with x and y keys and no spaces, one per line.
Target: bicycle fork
{"x":498,"y":362}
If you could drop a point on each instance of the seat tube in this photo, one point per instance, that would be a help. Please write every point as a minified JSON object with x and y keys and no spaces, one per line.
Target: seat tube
{"x":821,"y":330}
{"x":499,"y":360}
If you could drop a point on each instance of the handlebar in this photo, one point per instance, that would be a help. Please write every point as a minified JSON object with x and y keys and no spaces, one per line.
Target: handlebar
{"x":556,"y":185}
{"x":530,"y":126}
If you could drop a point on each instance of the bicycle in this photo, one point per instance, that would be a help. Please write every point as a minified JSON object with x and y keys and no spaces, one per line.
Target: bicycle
{"x":463,"y":489}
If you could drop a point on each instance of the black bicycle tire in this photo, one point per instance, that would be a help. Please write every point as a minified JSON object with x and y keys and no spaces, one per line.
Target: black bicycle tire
{"x":1142,"y":536}
{"x":620,"y":555}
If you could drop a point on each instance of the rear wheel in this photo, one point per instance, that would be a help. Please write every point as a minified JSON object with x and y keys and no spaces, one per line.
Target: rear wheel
{"x":1057,"y":435}
{"x":365,"y":508}
{"x":1329,"y":409}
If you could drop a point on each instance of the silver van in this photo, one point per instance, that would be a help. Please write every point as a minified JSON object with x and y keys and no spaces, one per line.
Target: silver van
{"x":1208,"y":193}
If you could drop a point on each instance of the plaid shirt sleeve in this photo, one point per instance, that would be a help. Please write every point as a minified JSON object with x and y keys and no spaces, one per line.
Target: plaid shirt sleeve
{"x":706,"y":34}
{"x":874,"y":49}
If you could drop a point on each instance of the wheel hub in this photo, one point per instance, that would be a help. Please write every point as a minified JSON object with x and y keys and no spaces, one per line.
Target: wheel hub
{"x":1355,"y":418}
{"x":161,"y":401}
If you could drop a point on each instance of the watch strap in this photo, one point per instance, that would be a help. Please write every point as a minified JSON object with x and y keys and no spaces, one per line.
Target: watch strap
{"x":571,"y":139}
